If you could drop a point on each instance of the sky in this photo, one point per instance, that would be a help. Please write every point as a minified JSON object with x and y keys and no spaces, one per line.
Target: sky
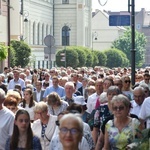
{"x":120,"y":5}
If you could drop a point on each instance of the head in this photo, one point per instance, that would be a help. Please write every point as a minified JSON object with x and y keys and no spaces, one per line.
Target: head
{"x":55,"y":81}
{"x":11,"y":103}
{"x":146,"y":77}
{"x":112,"y":91}
{"x":126,"y":83}
{"x":53,"y":99}
{"x":120,"y":106}
{"x":146,"y":89}
{"x":38,"y":85}
{"x":69,"y":89}
{"x":118,"y":82}
{"x":21,"y":126}
{"x":99,"y":86}
{"x":71,"y":130}
{"x":41,"y":111}
{"x":16,"y":74}
{"x":107,"y":83}
{"x":47,"y":76}
{"x":2,"y":97}
{"x":139,"y":95}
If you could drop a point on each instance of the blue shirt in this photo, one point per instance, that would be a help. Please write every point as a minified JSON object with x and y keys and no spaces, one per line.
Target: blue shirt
{"x":59,"y":90}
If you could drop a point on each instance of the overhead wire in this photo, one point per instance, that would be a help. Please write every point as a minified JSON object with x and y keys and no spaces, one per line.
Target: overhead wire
{"x":101,"y":2}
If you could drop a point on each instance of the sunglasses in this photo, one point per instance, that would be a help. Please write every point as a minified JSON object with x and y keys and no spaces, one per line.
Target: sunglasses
{"x":118,"y":108}
{"x":127,"y":81}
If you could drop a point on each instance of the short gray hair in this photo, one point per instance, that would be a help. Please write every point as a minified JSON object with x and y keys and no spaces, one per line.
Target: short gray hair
{"x":2,"y":94}
{"x":121,"y":98}
{"x":41,"y":106}
{"x":76,"y":117}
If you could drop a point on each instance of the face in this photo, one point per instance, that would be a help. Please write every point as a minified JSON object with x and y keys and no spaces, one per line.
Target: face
{"x":13,"y":108}
{"x":126,"y":82}
{"x":27,"y":95}
{"x":22,"y":122}
{"x":38,"y":86}
{"x":69,"y":90}
{"x":118,"y":83}
{"x":110,"y":95}
{"x":47,"y":77}
{"x":42,"y":115}
{"x":99,"y":86}
{"x":138,"y":96}
{"x":16,"y":75}
{"x":55,"y":82}
{"x":119,"y":109}
{"x":106,"y":84}
{"x":70,"y":134}
{"x":146,"y":79}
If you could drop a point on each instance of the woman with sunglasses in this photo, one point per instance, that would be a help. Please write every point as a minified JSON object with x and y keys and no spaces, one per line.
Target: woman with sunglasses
{"x":120,"y":131}
{"x":22,"y":137}
{"x":126,"y":87}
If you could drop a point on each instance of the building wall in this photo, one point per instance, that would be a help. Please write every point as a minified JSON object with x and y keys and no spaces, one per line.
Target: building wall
{"x":105,"y":34}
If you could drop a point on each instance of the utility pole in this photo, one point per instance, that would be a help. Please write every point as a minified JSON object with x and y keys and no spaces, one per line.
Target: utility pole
{"x":132,"y":39}
{"x":8,"y":30}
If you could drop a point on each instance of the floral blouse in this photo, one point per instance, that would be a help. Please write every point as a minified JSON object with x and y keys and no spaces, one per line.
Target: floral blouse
{"x":119,"y":140}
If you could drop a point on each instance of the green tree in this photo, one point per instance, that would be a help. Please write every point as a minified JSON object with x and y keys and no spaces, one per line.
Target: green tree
{"x":115,"y":58}
{"x":102,"y":58}
{"x":124,"y":44}
{"x":12,"y":57}
{"x":81,"y":55}
{"x":22,"y":52}
{"x":71,"y":58}
{"x":3,"y":52}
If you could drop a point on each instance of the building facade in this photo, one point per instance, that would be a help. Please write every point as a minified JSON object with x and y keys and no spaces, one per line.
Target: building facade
{"x":33,"y":20}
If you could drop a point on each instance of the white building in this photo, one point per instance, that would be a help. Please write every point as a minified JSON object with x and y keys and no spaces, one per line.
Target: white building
{"x":102,"y":34}
{"x":40,"y":18}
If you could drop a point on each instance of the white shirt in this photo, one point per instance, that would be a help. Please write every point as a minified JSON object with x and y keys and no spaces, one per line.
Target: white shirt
{"x":91,"y":102}
{"x":29,"y":109}
{"x":38,"y":96}
{"x":12,"y":83}
{"x":145,"y":112}
{"x":6,"y":126}
{"x":135,"y":108}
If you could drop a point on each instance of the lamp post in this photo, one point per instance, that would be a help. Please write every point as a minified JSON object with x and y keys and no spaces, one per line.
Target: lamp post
{"x":94,"y":37}
{"x":65,"y":40}
{"x":8,"y":30}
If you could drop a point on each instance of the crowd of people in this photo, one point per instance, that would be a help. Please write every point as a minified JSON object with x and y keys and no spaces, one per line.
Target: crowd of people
{"x":72,"y":109}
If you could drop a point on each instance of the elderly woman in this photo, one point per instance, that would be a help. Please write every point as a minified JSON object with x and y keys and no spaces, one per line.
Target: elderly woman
{"x":55,"y":104}
{"x":71,"y":131}
{"x":44,"y":126}
{"x":120,"y":131}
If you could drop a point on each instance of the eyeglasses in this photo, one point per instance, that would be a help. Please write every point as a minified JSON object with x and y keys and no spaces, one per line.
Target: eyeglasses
{"x":51,"y":72}
{"x":127,"y":81}
{"x":118,"y":108}
{"x":72,"y":131}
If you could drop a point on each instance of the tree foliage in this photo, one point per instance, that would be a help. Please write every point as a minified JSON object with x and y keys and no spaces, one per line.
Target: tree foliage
{"x":22,"y":52}
{"x":3,"y":52}
{"x":116,"y":58}
{"x":71,"y":58}
{"x":102,"y":58}
{"x":124,"y":44}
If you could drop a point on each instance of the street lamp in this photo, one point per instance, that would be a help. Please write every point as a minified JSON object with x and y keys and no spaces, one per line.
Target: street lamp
{"x":94,"y":38}
{"x":65,"y":38}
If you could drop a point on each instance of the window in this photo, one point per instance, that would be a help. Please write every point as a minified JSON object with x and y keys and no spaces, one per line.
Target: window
{"x":65,"y":36}
{"x":65,"y":1}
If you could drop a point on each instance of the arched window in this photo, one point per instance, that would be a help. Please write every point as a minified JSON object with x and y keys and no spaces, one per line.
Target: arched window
{"x":65,"y":36}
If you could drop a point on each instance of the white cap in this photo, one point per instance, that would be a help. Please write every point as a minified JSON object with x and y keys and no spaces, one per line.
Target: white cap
{"x":79,"y":100}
